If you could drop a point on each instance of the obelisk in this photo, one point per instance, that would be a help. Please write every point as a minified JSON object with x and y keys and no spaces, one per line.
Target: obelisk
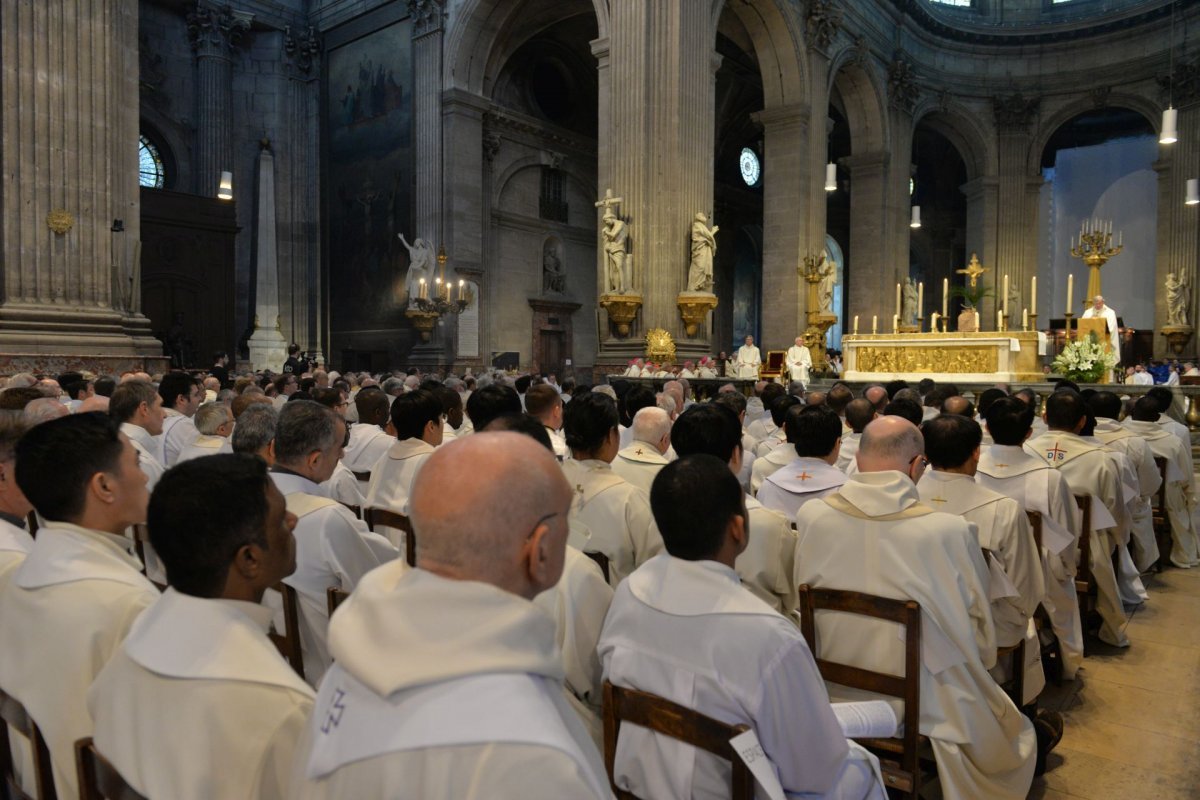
{"x":268,"y":349}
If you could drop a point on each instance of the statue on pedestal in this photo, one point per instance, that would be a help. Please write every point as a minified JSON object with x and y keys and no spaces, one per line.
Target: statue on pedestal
{"x":908,"y":304}
{"x":1177,"y":299}
{"x":614,"y":234}
{"x":704,"y":246}
{"x":828,"y":272}
{"x":420,"y":265}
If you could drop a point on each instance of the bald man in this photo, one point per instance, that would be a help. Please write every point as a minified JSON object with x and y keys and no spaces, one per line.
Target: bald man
{"x":462,"y":695}
{"x":646,"y":455}
{"x":874,"y":535}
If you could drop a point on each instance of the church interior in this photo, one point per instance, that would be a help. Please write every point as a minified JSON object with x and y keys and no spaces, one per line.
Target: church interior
{"x":855,"y":228}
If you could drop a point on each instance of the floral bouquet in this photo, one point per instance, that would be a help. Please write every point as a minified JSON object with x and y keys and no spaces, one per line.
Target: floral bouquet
{"x":1084,"y":360}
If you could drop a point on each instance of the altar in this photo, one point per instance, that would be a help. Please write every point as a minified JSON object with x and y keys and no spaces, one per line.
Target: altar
{"x":992,"y":356}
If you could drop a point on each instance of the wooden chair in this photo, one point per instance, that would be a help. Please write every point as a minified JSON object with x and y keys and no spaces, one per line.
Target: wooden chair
{"x":1161,"y":520}
{"x":1015,"y":686}
{"x":141,"y":538}
{"x":355,"y":510}
{"x":98,"y":779}
{"x":670,"y":719}
{"x":600,"y":559}
{"x":391,"y":519}
{"x":288,"y":642}
{"x":31,"y":521}
{"x":901,"y":772}
{"x":334,"y":596}
{"x":362,"y":476}
{"x":1085,"y":584}
{"x":14,"y":716}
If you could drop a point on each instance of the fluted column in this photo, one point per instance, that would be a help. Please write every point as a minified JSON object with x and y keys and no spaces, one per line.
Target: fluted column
{"x":1017,"y":196}
{"x":868,"y":227}
{"x":214,"y":33}
{"x":427,"y":29}
{"x":1178,"y":224}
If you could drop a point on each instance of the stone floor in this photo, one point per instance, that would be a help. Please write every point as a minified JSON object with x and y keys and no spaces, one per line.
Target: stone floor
{"x":1133,"y":716}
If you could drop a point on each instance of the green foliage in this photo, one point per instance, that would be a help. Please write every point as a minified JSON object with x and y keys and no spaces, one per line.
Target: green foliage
{"x":971,"y":296}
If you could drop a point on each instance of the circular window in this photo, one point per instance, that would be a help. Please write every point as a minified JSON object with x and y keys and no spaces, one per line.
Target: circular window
{"x":150,"y":165}
{"x":750,"y":166}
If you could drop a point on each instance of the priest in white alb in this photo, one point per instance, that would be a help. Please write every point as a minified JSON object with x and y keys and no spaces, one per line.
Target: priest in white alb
{"x":815,"y":433}
{"x":798,"y":360}
{"x":460,"y":696}
{"x":1098,"y":310}
{"x":876,"y":536}
{"x":69,"y":604}
{"x":747,"y":360}
{"x":369,"y":439}
{"x":646,"y":454}
{"x":417,"y":420}
{"x":137,"y":408}
{"x":1143,"y":423}
{"x":214,"y":426}
{"x":198,"y":665}
{"x":682,"y":627}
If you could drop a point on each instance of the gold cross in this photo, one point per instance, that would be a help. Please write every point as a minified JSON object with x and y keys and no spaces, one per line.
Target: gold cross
{"x":804,"y":476}
{"x":638,"y":452}
{"x":938,"y":500}
{"x":1002,"y":465}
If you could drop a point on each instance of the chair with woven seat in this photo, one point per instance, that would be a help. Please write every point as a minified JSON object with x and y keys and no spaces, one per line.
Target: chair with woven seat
{"x":13,"y":716}
{"x":670,"y":719}
{"x":392,"y":519}
{"x":899,"y":758}
{"x":288,"y":642}
{"x":98,"y":779}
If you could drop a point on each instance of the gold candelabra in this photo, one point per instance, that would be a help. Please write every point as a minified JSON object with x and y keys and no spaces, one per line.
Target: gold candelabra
{"x":1095,"y":248}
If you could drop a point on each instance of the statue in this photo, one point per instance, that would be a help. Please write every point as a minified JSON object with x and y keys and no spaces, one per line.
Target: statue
{"x":553,"y":277}
{"x":614,"y":234}
{"x":704,"y":246}
{"x":908,"y":303}
{"x":420,"y":265}
{"x":828,"y":272}
{"x":973,"y":270}
{"x":1177,"y":299}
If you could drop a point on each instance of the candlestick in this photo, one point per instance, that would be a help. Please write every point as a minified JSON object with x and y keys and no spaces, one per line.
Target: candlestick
{"x":1005,"y":304}
{"x":945,"y":297}
{"x":874,"y":324}
{"x":1070,"y":292}
{"x":1024,"y":319}
{"x":1068,"y":315}
{"x":1033,"y":294}
{"x":897,"y":299}
{"x":920,"y":298}
{"x":856,"y":324}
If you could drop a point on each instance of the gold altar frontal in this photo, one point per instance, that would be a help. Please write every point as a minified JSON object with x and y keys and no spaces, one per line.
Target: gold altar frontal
{"x":1009,"y":356}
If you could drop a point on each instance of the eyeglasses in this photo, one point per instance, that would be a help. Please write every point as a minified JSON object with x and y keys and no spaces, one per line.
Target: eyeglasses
{"x":924,"y":461}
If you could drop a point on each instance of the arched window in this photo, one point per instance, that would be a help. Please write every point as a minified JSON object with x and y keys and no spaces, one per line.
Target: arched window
{"x":150,"y":165}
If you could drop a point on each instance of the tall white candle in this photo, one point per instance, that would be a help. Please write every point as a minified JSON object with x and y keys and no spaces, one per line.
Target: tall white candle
{"x":874,"y":324}
{"x":1024,"y":319}
{"x":897,"y":299}
{"x":945,"y":297}
{"x":933,"y":321}
{"x":856,"y":324}
{"x":1005,"y":294}
{"x":1070,"y":292}
{"x":921,"y":299}
{"x":896,"y":323}
{"x":1033,"y":294}
{"x":424,"y":291}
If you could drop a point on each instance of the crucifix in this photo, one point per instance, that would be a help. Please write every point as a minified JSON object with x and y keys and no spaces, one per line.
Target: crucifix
{"x":608,"y":201}
{"x":973,"y":270}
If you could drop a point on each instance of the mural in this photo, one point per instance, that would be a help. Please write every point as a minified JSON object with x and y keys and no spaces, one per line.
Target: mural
{"x":368,"y":186}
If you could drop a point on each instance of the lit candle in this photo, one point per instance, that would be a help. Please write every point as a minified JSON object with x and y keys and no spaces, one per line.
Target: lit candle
{"x":856,"y":324}
{"x":1024,"y":319}
{"x":1120,"y":238}
{"x":424,"y":291}
{"x":874,"y":324}
{"x":1006,"y":294}
{"x":1070,"y":292}
{"x":1033,"y":294}
{"x":897,"y":299}
{"x":461,"y":283}
{"x":921,"y":298}
{"x":945,"y":297}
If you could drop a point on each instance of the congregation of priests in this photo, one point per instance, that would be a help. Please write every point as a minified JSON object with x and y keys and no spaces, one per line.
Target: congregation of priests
{"x":154,"y":531}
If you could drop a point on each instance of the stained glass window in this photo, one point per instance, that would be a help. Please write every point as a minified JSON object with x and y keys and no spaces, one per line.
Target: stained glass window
{"x":150,"y":165}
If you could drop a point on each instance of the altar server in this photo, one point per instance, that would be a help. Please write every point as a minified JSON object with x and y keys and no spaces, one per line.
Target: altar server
{"x":461,"y":695}
{"x":199,"y":659}
{"x":683,"y":628}
{"x":815,"y":432}
{"x":874,"y":535}
{"x":67,"y":607}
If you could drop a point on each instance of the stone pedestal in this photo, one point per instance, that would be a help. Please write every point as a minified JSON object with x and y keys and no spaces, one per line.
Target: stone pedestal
{"x":423,"y":321}
{"x":694,"y":308}
{"x":1177,"y":337}
{"x":621,"y":310}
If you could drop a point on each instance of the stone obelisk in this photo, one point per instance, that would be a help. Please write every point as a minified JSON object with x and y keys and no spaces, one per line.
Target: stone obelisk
{"x":268,"y":349}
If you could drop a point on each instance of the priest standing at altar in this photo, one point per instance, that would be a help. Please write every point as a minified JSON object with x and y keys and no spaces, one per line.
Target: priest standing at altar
{"x":799,"y":361}
{"x":748,"y":360}
{"x":1099,"y":310}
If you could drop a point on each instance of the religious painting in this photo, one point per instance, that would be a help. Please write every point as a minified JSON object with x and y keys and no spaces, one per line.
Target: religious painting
{"x":368,"y":186}
{"x":833,"y":254}
{"x":747,"y":290}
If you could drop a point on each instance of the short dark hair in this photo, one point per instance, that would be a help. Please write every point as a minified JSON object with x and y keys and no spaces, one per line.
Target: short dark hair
{"x":521,"y":423}
{"x":174,"y":384}
{"x":693,"y":499}
{"x":328,"y":397}
{"x":1008,"y":420}
{"x":1062,"y":384}
{"x":734,"y":401}
{"x":988,"y":397}
{"x":634,"y":400}
{"x":770,"y":392}
{"x":925,"y":385}
{"x":16,"y":398}
{"x":839,"y":397}
{"x":449,"y":398}
{"x":950,"y":440}
{"x":936,"y":396}
{"x":281,"y":381}
{"x":1145,"y":409}
{"x":541,"y":399}
{"x":104,"y":385}
{"x":1064,"y":410}
{"x":587,"y":420}
{"x":57,"y":459}
{"x":411,"y":412}
{"x":201,"y":513}
{"x":891,"y":387}
{"x":904,"y":408}
{"x":1162,"y":395}
{"x":127,"y":397}
{"x":1104,"y":404}
{"x":779,"y":408}
{"x":859,"y":413}
{"x":707,"y":428}
{"x":485,"y":404}
{"x":522,"y":384}
{"x":815,"y":431}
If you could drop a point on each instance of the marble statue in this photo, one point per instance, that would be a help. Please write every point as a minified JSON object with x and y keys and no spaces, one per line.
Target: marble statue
{"x":614,"y":233}
{"x":908,"y":303}
{"x":420,"y":265}
{"x":828,"y":273}
{"x":1177,"y":299}
{"x":553,"y":277}
{"x":704,"y":246}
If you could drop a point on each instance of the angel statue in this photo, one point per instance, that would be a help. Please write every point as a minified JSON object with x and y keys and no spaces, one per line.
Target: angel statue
{"x":420,"y":265}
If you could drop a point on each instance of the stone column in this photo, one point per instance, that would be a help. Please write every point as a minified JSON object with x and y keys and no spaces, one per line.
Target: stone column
{"x":1017,"y":197}
{"x":656,"y":150}
{"x":1178,"y":224}
{"x":982,"y":194}
{"x":214,"y":33}
{"x":68,"y":169}
{"x":868,"y":228}
{"x":427,"y":28}
{"x":268,"y":349}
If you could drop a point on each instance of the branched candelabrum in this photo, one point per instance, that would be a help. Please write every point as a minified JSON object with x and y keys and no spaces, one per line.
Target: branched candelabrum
{"x":440,"y":305}
{"x":1095,"y":248}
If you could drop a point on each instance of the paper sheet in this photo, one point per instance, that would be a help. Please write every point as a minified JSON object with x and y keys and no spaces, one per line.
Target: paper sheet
{"x":868,"y":718}
{"x":747,"y":746}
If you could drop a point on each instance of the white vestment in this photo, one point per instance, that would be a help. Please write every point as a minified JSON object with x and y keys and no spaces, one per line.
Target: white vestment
{"x":1027,"y":479}
{"x":392,"y":479}
{"x":15,"y":544}
{"x":765,"y":566}
{"x":368,"y":444}
{"x":149,"y":457}
{"x":762,"y":427}
{"x":1004,"y":531}
{"x":777,"y":439}
{"x":1142,"y":379}
{"x":775,"y":459}
{"x":639,"y":464}
{"x":803,"y":479}
{"x":197,"y":703}
{"x":708,"y":373}
{"x":343,"y":487}
{"x":1114,"y":336}
{"x":333,"y":548}
{"x":204,"y":445}
{"x":634,"y":371}
{"x":460,"y":696}
{"x":891,"y":546}
{"x":746,"y":473}
{"x":615,"y":513}
{"x":1143,"y":545}
{"x":686,"y":631}
{"x":847,"y":455}
{"x":1090,"y":469}
{"x":178,"y":432}
{"x":63,"y":612}
{"x":1185,"y":546}
{"x":799,"y":362}
{"x":558,"y":443}
{"x":748,"y":361}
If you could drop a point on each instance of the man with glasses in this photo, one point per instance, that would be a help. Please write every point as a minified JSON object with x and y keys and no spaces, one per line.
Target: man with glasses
{"x":286,"y":385}
{"x":874,"y":535}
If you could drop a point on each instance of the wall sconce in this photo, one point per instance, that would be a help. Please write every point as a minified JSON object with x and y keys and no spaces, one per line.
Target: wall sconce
{"x":225,"y":190}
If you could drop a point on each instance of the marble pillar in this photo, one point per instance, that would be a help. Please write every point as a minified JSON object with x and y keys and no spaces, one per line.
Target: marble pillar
{"x":982,"y":197}
{"x":1017,"y":197}
{"x":868,"y":234}
{"x":68,"y":169}
{"x":428,"y":20}
{"x":268,"y":349}
{"x":214,"y":33}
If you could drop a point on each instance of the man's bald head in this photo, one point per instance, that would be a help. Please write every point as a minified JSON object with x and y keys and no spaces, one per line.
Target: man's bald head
{"x":958,"y":405}
{"x":504,"y":523}
{"x":877,"y":395}
{"x":890,"y":443}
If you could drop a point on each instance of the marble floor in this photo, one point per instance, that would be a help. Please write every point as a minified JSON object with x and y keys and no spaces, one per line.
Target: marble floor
{"x":1133,"y":716}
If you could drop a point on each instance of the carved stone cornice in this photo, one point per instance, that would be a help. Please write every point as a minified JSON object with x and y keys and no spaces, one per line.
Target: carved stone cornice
{"x":860,"y":52}
{"x":215,"y":31}
{"x":902,"y":83}
{"x":822,"y":24}
{"x":303,"y":52}
{"x":1015,"y":113}
{"x":427,"y":16}
{"x":535,"y":130}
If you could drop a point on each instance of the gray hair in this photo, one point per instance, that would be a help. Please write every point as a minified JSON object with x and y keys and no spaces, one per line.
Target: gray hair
{"x":43,"y":409}
{"x":796,"y":388}
{"x":650,"y":424}
{"x":304,"y":427}
{"x":255,"y":428}
{"x":20,"y":379}
{"x":666,"y":402}
{"x":392,"y":385}
{"x":604,"y":388}
{"x":211,"y":416}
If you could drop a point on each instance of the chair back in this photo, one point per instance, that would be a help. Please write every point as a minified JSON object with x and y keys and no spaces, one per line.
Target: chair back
{"x":903,"y":775}
{"x":362,"y":476}
{"x":1035,"y":524}
{"x":334,"y":596}
{"x":1159,"y":519}
{"x":13,"y":716}
{"x":288,"y":642}
{"x":355,"y":510}
{"x":98,"y":779}
{"x":141,"y":537}
{"x":601,"y":560}
{"x":1085,"y":584}
{"x":392,"y":519}
{"x":670,"y":719}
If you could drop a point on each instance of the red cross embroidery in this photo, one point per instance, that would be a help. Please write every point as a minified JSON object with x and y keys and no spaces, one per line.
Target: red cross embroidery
{"x":1056,"y":453}
{"x":804,"y":476}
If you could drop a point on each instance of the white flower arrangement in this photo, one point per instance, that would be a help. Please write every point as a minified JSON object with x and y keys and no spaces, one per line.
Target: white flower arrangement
{"x":1084,"y":360}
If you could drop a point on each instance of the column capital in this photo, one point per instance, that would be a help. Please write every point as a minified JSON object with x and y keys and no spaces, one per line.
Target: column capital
{"x":782,"y":117}
{"x":1014,"y":113}
{"x":974,"y":189}
{"x":427,"y":17}
{"x":216,"y":31}
{"x":301,"y":52}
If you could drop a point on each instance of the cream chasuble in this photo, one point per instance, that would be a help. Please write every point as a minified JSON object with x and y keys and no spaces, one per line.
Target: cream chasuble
{"x":204,"y":445}
{"x":1185,"y":546}
{"x":368,"y":444}
{"x":777,"y":458}
{"x":639,"y":464}
{"x":803,"y":479}
{"x":617,"y":515}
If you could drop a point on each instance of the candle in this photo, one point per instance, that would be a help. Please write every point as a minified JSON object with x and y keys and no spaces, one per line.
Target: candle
{"x":874,"y":324}
{"x":461,"y":284}
{"x":945,"y":297}
{"x":1070,"y":292}
{"x":856,"y":324}
{"x":921,"y":298}
{"x":897,"y":299}
{"x":1120,"y":238}
{"x":1006,"y":294}
{"x":1033,"y":294}
{"x":1024,"y":319}
{"x":424,"y":291}
{"x":895,"y":323}
{"x":933,"y":320}
{"x":999,"y":320}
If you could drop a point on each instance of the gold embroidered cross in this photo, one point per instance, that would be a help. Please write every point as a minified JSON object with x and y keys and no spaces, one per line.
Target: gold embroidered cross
{"x":638,"y":452}
{"x":1002,"y":465}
